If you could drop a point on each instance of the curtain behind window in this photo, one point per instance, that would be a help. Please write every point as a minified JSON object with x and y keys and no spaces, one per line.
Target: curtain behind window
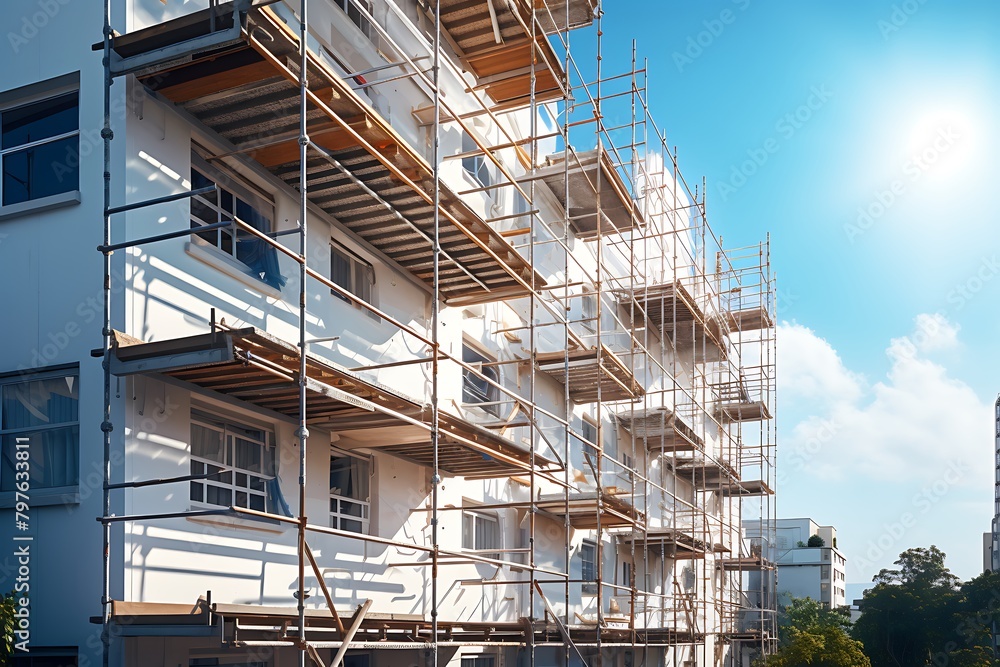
{"x":259,"y":255}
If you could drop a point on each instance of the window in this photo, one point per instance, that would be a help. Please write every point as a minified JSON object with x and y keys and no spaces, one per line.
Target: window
{"x":521,"y":209}
{"x":233,"y":199}
{"x":824,"y":572}
{"x":479,"y":661}
{"x":626,"y":575}
{"x":588,"y":567}
{"x":39,"y":414}
{"x":588,"y":429}
{"x":40,"y":148}
{"x":351,"y":7}
{"x":240,"y":459}
{"x":481,"y":532}
{"x":350,"y":492}
{"x":353,"y":274}
{"x":45,"y":657}
{"x":589,"y":311}
{"x":475,"y":165}
{"x":476,"y":389}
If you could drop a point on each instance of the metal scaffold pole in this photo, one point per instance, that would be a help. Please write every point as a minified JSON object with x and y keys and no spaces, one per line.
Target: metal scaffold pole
{"x":435,"y":333}
{"x":303,"y":430}
{"x":106,"y":424}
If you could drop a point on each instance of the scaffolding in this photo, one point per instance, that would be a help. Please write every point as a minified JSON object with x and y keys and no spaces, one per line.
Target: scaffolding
{"x":664,"y":335}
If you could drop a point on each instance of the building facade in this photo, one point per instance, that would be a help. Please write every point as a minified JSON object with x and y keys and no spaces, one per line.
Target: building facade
{"x":370,"y":365}
{"x":804,"y":569}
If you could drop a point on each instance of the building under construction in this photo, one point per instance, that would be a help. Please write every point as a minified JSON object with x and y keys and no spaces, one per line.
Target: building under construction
{"x":406,"y":343}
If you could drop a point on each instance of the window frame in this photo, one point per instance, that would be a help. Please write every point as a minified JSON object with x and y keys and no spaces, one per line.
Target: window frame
{"x":479,"y":660}
{"x":24,"y":96}
{"x":268,"y":447}
{"x":471,"y":544}
{"x":365,"y":504}
{"x":239,"y":189}
{"x":589,"y":583}
{"x":476,"y":166}
{"x":358,"y":266}
{"x":487,"y":397}
{"x":43,"y":495}
{"x":349,"y":7}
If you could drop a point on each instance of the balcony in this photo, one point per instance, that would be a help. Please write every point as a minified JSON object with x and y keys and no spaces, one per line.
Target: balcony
{"x":255,"y":367}
{"x":591,"y":374}
{"x":615,"y":511}
{"x":590,"y":173}
{"x":738,"y":395}
{"x":493,"y":40}
{"x":361,"y":171}
{"x":662,"y":430}
{"x":749,"y":319}
{"x":673,"y":543}
{"x":743,"y":411}
{"x":746,"y":487}
{"x":672,"y":309}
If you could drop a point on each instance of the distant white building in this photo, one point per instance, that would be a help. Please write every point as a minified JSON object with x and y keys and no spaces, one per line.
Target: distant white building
{"x":817,"y":572}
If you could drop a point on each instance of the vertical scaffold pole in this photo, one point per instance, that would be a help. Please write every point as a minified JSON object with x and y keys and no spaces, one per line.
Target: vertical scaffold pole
{"x":303,"y":431}
{"x":435,"y":325}
{"x":106,"y":425}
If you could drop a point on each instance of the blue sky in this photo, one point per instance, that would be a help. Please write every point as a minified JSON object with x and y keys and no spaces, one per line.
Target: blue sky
{"x":873,"y":127}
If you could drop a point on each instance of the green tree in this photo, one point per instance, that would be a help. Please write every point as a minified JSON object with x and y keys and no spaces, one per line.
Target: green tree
{"x":7,"y":609}
{"x":816,"y":541}
{"x":810,"y":634}
{"x":911,"y":614}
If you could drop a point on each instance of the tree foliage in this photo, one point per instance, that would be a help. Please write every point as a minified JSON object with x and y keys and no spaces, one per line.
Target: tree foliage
{"x":816,"y":541}
{"x":921,"y":614}
{"x":810,"y":634}
{"x":7,"y":610}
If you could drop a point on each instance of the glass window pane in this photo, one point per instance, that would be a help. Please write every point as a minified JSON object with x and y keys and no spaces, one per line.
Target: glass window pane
{"x":257,"y":503}
{"x":34,"y":122}
{"x":340,"y":271}
{"x":351,"y":509}
{"x":53,"y":457}
{"x":206,"y":443}
{"x":40,"y":403}
{"x":197,"y":493}
{"x":248,"y":455}
{"x":219,"y":496}
{"x":468,"y":531}
{"x":349,"y":477}
{"x":351,"y":525}
{"x":44,"y":170}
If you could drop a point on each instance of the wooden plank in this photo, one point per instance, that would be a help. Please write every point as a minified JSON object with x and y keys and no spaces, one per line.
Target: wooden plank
{"x":213,"y":83}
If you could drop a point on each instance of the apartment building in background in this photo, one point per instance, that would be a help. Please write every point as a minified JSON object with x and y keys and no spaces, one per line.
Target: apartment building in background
{"x":817,"y":570}
{"x":317,"y":354}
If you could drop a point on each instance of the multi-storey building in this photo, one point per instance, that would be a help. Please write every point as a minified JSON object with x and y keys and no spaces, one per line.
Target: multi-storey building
{"x":815,"y":569}
{"x":371,"y":366}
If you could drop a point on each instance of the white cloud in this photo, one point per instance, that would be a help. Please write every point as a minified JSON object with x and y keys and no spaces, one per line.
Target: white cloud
{"x":911,"y":425}
{"x":811,"y":369}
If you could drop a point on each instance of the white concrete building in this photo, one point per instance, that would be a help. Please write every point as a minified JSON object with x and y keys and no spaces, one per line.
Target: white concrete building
{"x":817,"y":572}
{"x":542,"y":451}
